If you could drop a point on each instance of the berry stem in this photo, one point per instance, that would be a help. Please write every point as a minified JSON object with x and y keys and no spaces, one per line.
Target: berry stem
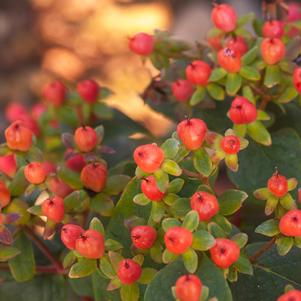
{"x":267,"y":246}
{"x":192,"y":174}
{"x":45,"y":250}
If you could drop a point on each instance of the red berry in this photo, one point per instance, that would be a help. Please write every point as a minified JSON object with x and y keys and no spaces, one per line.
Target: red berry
{"x":88,"y":90}
{"x":292,"y":295}
{"x":49,"y":167}
{"x":15,"y":111}
{"x":53,"y":209}
{"x":215,"y":42}
{"x":272,"y":50}
{"x":58,"y":187}
{"x":8,"y":165}
{"x":229,"y":59}
{"x":242,"y":111}
{"x":149,"y":157}
{"x":273,"y":29}
{"x":18,"y":137}
{"x":76,"y":162}
{"x":224,"y":253}
{"x":238,"y":44}
{"x":94,"y":176}
{"x":142,"y":44}
{"x":224,"y":17}
{"x":294,"y":12}
{"x":37,"y":111}
{"x":85,"y":138}
{"x":290,"y":223}
{"x":192,"y":133}
{"x":55,"y":93}
{"x":182,"y":90}
{"x":178,"y":240}
{"x":198,"y":73}
{"x":150,"y":189}
{"x":143,"y":237}
{"x":277,"y":184}
{"x":205,"y":204}
{"x":69,"y":234}
{"x":297,"y":79}
{"x":90,"y":244}
{"x":230,"y":144}
{"x":188,"y":288}
{"x":4,"y":195}
{"x":129,"y":271}
{"x":35,"y":173}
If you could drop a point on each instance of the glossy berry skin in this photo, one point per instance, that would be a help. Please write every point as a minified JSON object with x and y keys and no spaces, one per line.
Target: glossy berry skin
{"x":149,"y":157}
{"x":88,"y":90}
{"x":224,"y":253}
{"x":150,"y":189}
{"x":55,"y":93}
{"x":273,"y":29}
{"x":143,"y":237}
{"x":18,"y":137}
{"x":229,"y":59}
{"x":277,"y":185}
{"x":53,"y":209}
{"x":182,"y":90}
{"x":188,"y":288}
{"x":142,"y":44}
{"x":35,"y":173}
{"x":8,"y":165}
{"x":178,"y":240}
{"x":224,"y":17}
{"x":94,"y":176}
{"x":90,"y":244}
{"x":290,"y":223}
{"x":242,"y":111}
{"x":69,"y":234}
{"x":192,"y":133}
{"x":76,"y":162}
{"x":58,"y":187}
{"x":129,"y":271}
{"x":85,"y":138}
{"x":205,"y":204}
{"x":198,"y":73}
{"x":292,"y":295}
{"x":230,"y":144}
{"x":272,"y":50}
{"x":297,"y":79}
{"x":238,"y":44}
{"x":4,"y":195}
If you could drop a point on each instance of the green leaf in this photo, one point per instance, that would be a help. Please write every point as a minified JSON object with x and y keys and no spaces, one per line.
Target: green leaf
{"x":115,"y":259}
{"x":233,"y":83}
{"x":100,"y":291}
{"x":168,"y":257}
{"x":241,"y":239}
{"x":22,"y":266}
{"x":8,"y":252}
{"x":83,"y":268}
{"x":97,"y":225}
{"x":284,"y":245}
{"x":272,"y":76}
{"x":141,"y":199}
{"x":271,"y":274}
{"x":216,"y":230}
{"x":115,"y":184}
{"x":170,"y":148}
{"x":190,"y":259}
{"x":180,"y":207}
{"x":69,"y":259}
{"x":243,"y":265}
{"x":231,"y":201}
{"x":171,"y":167}
{"x":100,"y":132}
{"x":257,"y":131}
{"x":216,"y":91}
{"x":197,"y":96}
{"x":70,"y":177}
{"x":250,"y":56}
{"x":77,"y":201}
{"x":113,"y":245}
{"x":287,"y":202}
{"x":249,"y":73}
{"x":176,"y":185}
{"x":268,"y":228}
{"x":147,"y":275}
{"x":217,"y":74}
{"x":169,"y":223}
{"x":191,"y":220}
{"x":160,"y":288}
{"x":240,"y":129}
{"x":243,"y":20}
{"x":202,"y":162}
{"x":288,"y":95}
{"x":129,"y":292}
{"x":158,"y":211}
{"x":202,"y":240}
{"x":162,"y":180}
{"x":102,"y":204}
{"x":18,"y":184}
{"x":262,"y":193}
{"x":248,"y":93}
{"x":107,"y":268}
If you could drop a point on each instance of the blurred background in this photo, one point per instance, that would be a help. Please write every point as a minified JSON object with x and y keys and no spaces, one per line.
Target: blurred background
{"x":75,"y":39}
